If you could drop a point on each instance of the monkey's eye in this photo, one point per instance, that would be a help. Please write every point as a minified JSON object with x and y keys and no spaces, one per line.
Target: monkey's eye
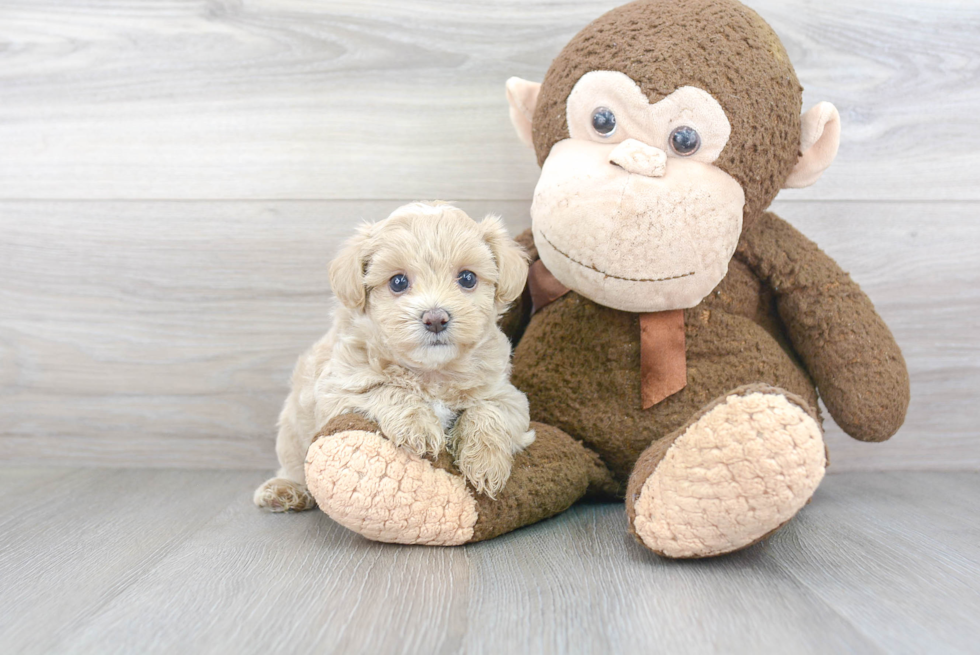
{"x":685,"y":141}
{"x":398,"y":283}
{"x":603,"y":121}
{"x":466,"y":279}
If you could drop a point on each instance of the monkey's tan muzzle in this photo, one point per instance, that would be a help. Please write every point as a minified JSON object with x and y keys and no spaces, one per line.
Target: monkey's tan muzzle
{"x":637,"y":157}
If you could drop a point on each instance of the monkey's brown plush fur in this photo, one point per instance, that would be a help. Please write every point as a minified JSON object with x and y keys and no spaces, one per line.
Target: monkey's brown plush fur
{"x":738,"y":450}
{"x":721,"y":47}
{"x":785,"y":315}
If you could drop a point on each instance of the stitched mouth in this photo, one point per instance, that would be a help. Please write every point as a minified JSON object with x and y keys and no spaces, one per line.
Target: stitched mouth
{"x":617,"y":277}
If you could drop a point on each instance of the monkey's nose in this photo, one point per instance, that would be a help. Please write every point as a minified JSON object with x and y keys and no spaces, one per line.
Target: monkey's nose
{"x":637,"y":157}
{"x":435,"y":320}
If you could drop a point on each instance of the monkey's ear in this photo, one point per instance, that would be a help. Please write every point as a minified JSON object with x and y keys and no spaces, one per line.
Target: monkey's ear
{"x":511,"y":260}
{"x":819,"y":140}
{"x":348,"y":268}
{"x":523,"y":98}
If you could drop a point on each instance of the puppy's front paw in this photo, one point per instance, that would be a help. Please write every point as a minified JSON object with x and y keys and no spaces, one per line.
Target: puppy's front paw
{"x":417,"y":431}
{"x":484,"y":464}
{"x":484,"y":441}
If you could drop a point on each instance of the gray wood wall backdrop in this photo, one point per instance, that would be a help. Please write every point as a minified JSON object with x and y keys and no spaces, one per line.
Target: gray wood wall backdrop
{"x":175,"y":174}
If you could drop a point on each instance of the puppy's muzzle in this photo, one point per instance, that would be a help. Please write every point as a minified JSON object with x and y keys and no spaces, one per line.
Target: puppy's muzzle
{"x":435,"y":320}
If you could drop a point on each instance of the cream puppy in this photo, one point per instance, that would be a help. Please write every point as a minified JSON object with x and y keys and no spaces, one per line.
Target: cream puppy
{"x":415,"y":347}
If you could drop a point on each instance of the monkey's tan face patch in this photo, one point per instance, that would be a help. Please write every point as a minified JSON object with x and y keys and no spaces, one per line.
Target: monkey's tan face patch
{"x":635,"y":242}
{"x":629,"y":216}
{"x":636,"y":118}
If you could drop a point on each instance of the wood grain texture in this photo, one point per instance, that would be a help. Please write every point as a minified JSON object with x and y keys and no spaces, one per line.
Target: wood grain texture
{"x":174,"y":177}
{"x":102,"y":563}
{"x":75,"y":542}
{"x":912,"y":531}
{"x":163,"y":333}
{"x":218,"y":99}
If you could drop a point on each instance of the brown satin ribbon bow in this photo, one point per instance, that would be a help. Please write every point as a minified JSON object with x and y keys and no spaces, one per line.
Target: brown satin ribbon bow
{"x":663,"y":359}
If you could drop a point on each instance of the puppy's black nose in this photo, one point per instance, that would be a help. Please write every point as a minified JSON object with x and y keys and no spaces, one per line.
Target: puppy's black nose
{"x":435,"y":320}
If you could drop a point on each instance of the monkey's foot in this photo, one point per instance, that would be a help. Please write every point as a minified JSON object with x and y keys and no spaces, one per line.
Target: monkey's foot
{"x":383,"y":492}
{"x":735,"y":474}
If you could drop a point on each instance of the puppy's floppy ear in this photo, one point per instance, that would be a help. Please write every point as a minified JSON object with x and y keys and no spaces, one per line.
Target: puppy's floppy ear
{"x":348,"y":268}
{"x":511,"y":260}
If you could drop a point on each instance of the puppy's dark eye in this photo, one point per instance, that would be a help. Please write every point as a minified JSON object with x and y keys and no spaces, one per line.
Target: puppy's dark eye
{"x":398,"y":283}
{"x":466,"y":279}
{"x":603,"y":121}
{"x":685,"y":141}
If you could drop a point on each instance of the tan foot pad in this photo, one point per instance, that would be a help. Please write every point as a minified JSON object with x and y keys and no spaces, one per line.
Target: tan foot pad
{"x":385,"y":493}
{"x":739,"y":472}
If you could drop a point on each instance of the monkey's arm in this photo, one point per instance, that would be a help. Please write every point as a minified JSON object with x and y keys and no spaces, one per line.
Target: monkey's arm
{"x":847,"y":348}
{"x":515,"y":319}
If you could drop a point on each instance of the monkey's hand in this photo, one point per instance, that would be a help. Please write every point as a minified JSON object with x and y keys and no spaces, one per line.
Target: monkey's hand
{"x":846,"y":347}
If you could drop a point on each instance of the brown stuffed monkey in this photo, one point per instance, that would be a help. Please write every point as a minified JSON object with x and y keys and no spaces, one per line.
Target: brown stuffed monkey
{"x":674,"y":334}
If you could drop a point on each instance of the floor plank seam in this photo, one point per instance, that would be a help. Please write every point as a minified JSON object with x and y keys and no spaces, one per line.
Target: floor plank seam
{"x":819,"y":597}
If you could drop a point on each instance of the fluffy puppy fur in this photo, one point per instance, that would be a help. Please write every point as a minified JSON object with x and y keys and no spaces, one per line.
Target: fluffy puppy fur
{"x":426,"y":390}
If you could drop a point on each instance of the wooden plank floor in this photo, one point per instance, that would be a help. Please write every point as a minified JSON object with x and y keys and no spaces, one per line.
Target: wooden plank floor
{"x":169,"y":561}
